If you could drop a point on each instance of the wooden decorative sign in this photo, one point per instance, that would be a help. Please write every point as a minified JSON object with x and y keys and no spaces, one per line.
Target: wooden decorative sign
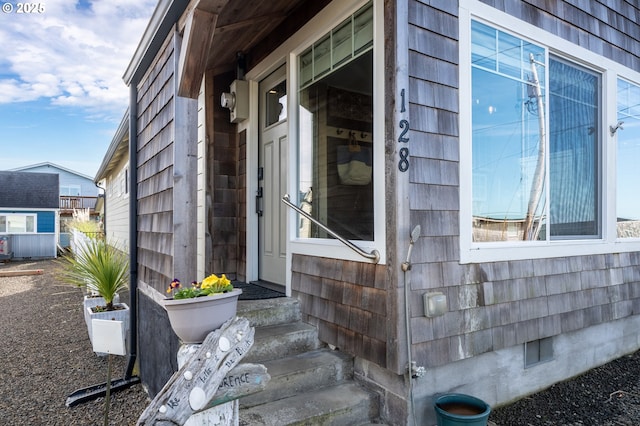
{"x":209,"y":377}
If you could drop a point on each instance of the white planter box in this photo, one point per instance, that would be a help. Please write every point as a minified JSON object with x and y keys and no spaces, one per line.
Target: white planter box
{"x":118,"y":315}
{"x":92,"y":301}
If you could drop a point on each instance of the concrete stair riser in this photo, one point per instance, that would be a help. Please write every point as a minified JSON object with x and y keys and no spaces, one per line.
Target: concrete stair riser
{"x":302,"y":373}
{"x":310,"y":384}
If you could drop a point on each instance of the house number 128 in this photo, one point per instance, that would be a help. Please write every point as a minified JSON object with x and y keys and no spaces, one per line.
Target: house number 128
{"x":403,"y":164}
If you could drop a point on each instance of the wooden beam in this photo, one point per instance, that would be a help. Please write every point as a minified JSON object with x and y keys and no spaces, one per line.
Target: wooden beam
{"x":212,"y":6}
{"x":196,"y":43}
{"x":21,"y":273}
{"x":257,"y":21}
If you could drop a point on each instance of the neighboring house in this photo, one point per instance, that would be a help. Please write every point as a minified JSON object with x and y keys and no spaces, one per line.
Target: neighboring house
{"x":113,"y":176}
{"x":77,"y":192}
{"x":29,"y":213}
{"x":508,"y":130}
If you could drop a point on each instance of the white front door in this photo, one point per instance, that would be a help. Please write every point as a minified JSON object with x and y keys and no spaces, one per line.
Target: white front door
{"x":272,"y":178}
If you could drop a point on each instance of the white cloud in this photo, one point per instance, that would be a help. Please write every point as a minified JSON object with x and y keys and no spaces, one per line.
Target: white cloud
{"x":72,"y":55}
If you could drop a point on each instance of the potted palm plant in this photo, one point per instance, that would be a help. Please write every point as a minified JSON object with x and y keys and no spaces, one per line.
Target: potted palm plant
{"x":100,"y":268}
{"x":196,"y":311}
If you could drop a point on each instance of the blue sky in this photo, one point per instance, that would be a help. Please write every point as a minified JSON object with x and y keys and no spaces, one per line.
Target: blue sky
{"x":61,"y":90}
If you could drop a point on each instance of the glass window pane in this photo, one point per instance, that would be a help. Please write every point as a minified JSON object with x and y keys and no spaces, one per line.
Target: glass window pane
{"x":341,"y":40}
{"x":321,"y":57}
{"x":30,"y":224}
{"x":483,"y":46}
{"x":3,"y":224}
{"x":506,"y":139}
{"x":306,"y":67}
{"x":508,"y":118}
{"x":336,"y":152}
{"x":276,"y":104}
{"x":17,"y":224}
{"x":573,"y":151}
{"x":363,"y":29}
{"x":628,"y":157}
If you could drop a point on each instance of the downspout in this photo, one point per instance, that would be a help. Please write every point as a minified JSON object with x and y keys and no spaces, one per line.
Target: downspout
{"x":133,"y":227}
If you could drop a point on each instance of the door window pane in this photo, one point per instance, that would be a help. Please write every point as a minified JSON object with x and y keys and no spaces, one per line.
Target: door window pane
{"x":276,"y":104}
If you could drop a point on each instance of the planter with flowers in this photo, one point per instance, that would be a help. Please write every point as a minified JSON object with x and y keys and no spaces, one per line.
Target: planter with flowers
{"x":196,"y":311}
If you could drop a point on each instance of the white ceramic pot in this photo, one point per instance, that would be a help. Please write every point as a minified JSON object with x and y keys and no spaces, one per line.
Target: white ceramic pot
{"x":193,"y":319}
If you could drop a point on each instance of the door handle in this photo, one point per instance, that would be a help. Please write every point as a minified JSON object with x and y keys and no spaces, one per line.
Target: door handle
{"x":258,"y":202}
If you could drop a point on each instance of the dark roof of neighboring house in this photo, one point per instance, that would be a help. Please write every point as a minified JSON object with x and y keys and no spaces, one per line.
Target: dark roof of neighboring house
{"x":29,"y":190}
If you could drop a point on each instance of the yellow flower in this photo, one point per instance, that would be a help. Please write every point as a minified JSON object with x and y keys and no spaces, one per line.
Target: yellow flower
{"x":211,"y":281}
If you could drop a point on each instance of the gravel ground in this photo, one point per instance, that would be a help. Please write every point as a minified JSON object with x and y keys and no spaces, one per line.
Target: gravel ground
{"x":608,"y":395}
{"x":47,"y":355}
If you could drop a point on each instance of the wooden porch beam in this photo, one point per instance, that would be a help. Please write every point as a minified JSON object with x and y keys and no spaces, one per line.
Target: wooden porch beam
{"x":200,"y":26}
{"x":250,"y":22}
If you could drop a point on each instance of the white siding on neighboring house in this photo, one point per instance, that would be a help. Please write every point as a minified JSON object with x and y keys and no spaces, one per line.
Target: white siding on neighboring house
{"x":117,"y":205}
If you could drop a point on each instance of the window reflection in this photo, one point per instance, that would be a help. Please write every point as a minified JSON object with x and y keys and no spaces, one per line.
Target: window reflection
{"x":336,"y":152}
{"x":628,"y":140}
{"x":526,"y":177}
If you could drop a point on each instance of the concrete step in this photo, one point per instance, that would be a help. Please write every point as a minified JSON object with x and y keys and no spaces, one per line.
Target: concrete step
{"x":282,"y":340}
{"x":266,"y":312}
{"x":302,"y":373}
{"x":346,"y":404}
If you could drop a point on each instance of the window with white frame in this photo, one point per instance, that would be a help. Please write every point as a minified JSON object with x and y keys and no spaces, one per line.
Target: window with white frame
{"x":628,"y":137}
{"x":70,"y":190}
{"x":549,"y":142}
{"x":535,"y":138}
{"x":335,"y":128}
{"x":17,"y":223}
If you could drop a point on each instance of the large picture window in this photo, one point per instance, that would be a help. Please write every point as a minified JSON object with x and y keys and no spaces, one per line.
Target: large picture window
{"x":628,"y":155}
{"x":535,"y":142}
{"x":17,"y":223}
{"x":335,"y":116}
{"x":549,"y":143}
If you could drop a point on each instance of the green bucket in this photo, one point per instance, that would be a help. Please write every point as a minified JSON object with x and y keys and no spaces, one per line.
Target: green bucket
{"x":457,"y":409}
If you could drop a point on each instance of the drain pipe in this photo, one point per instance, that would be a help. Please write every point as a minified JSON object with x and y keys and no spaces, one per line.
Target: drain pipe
{"x":413,"y":371}
{"x":133,"y":229}
{"x":100,"y":390}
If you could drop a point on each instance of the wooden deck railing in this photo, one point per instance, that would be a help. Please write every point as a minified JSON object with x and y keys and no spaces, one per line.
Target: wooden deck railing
{"x":77,"y":202}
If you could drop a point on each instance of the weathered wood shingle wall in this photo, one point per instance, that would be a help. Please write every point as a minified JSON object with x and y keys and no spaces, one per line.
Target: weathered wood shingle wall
{"x":346,"y":301}
{"x":500,"y":304}
{"x":223,"y":215}
{"x":155,"y":170}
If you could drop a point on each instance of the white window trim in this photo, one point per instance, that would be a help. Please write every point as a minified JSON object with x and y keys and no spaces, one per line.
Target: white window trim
{"x":336,"y":12}
{"x":471,"y":252}
{"x":35,"y":223}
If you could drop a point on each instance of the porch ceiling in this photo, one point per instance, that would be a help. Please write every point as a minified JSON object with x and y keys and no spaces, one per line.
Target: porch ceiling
{"x":240,"y":25}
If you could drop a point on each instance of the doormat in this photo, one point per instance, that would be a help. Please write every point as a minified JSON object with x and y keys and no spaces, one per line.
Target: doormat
{"x":256,"y":292}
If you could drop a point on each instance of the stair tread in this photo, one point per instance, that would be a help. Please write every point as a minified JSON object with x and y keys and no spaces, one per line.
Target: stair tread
{"x":331,"y":401}
{"x":268,"y":331}
{"x":305,"y":361}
